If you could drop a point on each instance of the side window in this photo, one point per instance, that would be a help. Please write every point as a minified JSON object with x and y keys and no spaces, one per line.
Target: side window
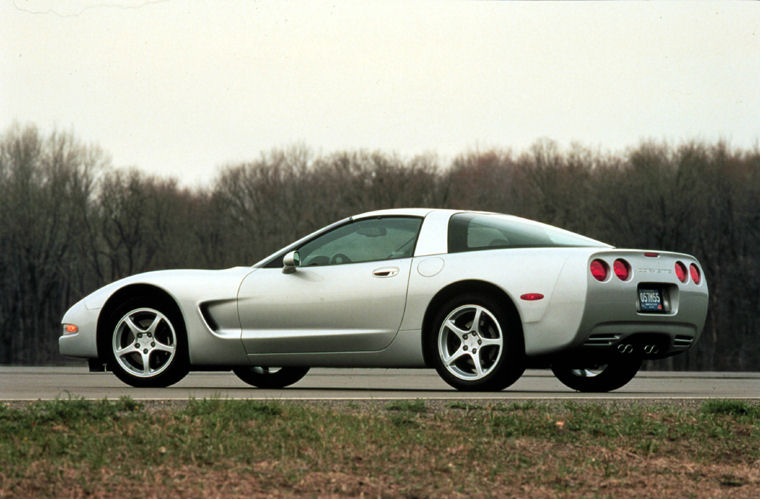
{"x":483,"y":236}
{"x":363,"y":241}
{"x":472,"y":232}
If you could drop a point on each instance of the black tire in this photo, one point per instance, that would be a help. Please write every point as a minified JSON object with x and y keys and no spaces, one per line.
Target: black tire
{"x":603,"y":377}
{"x":488,"y":356}
{"x":270,"y":377}
{"x":144,"y":343}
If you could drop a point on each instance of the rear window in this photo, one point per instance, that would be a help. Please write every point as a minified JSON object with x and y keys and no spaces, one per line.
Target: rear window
{"x":472,"y":232}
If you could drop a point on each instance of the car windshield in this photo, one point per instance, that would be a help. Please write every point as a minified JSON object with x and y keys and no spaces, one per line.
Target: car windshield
{"x":472,"y":232}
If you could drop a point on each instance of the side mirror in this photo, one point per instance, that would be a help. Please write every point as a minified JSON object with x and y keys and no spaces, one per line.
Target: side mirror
{"x":290,"y":261}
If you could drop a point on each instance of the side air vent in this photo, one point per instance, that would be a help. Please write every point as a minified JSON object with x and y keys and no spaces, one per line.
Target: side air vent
{"x":683,"y":341}
{"x":602,"y":340}
{"x":210,"y":322}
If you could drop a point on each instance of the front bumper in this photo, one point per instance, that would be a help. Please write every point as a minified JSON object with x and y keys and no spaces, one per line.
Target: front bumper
{"x":84,"y":342}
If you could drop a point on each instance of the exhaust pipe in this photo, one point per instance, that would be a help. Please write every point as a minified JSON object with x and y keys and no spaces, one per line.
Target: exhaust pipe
{"x":625,"y":348}
{"x":651,"y":349}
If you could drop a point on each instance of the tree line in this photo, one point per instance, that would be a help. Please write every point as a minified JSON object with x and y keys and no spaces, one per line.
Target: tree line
{"x":70,"y":222}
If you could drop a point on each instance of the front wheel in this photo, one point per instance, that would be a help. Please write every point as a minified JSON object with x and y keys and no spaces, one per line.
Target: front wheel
{"x":475,"y":345}
{"x":145,"y":343}
{"x":603,"y":377}
{"x":270,"y":377}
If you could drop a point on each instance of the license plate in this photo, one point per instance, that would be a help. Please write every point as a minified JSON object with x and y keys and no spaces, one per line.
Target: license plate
{"x":651,"y":300}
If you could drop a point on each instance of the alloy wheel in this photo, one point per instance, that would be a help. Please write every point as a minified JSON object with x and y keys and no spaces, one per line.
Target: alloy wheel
{"x":470,"y":342}
{"x":144,"y":342}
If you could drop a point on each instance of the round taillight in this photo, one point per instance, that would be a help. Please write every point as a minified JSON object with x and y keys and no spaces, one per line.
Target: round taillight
{"x":621,"y":269}
{"x":599,"y":270}
{"x":696,"y":276}
{"x":681,"y":272}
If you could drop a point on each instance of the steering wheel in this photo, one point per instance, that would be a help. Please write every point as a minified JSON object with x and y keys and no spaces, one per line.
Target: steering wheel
{"x":340,"y":258}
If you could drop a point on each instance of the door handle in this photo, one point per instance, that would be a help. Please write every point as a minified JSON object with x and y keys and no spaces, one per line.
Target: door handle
{"x":385,"y":272}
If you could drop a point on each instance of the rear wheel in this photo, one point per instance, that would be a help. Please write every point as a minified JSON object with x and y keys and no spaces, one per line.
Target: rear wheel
{"x":602,"y":377}
{"x":270,"y":377}
{"x":475,"y":346}
{"x":145,"y":343}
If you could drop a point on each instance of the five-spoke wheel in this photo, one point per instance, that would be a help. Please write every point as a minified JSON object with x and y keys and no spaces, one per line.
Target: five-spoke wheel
{"x":146,"y":343}
{"x":470,"y":342}
{"x":475,"y":344}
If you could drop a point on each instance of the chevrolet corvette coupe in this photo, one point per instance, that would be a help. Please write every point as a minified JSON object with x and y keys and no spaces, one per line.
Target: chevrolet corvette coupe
{"x":477,"y":296}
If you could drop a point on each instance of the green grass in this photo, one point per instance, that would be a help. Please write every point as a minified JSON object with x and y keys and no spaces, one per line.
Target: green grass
{"x":731,"y":407}
{"x":416,"y":406}
{"x":413,"y":448}
{"x":464,"y":406}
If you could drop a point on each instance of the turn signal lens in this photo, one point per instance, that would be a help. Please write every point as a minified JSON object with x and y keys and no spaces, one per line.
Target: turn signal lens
{"x":696,"y":275}
{"x":599,"y":270}
{"x":70,"y":328}
{"x":622,"y":269}
{"x":681,"y":272}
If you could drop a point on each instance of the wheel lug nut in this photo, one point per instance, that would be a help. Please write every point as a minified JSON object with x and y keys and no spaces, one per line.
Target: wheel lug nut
{"x":464,"y":337}
{"x":145,"y":350}
{"x":137,"y":345}
{"x":480,"y":342}
{"x":465,"y":347}
{"x":474,"y":350}
{"x":152,"y":343}
{"x":139,"y":335}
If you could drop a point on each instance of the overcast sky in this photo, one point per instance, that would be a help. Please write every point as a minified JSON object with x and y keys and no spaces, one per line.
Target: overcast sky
{"x":181,"y":88}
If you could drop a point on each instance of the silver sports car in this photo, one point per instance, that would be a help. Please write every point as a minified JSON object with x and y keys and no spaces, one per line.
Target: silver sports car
{"x":478,"y":296}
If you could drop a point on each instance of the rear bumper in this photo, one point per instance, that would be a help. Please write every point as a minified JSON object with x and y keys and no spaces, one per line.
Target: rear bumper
{"x":613,"y":321}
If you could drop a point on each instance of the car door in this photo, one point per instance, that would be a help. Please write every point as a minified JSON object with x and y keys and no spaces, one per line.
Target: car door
{"x":348,"y":293}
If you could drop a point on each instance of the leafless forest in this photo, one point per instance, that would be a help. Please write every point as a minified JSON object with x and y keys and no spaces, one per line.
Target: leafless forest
{"x":69,"y":222}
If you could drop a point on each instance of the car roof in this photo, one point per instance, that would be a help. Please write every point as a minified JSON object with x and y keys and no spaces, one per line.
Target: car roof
{"x":400,"y":212}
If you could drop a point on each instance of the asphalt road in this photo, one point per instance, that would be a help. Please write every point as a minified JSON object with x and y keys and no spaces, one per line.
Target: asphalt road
{"x":47,"y":383}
